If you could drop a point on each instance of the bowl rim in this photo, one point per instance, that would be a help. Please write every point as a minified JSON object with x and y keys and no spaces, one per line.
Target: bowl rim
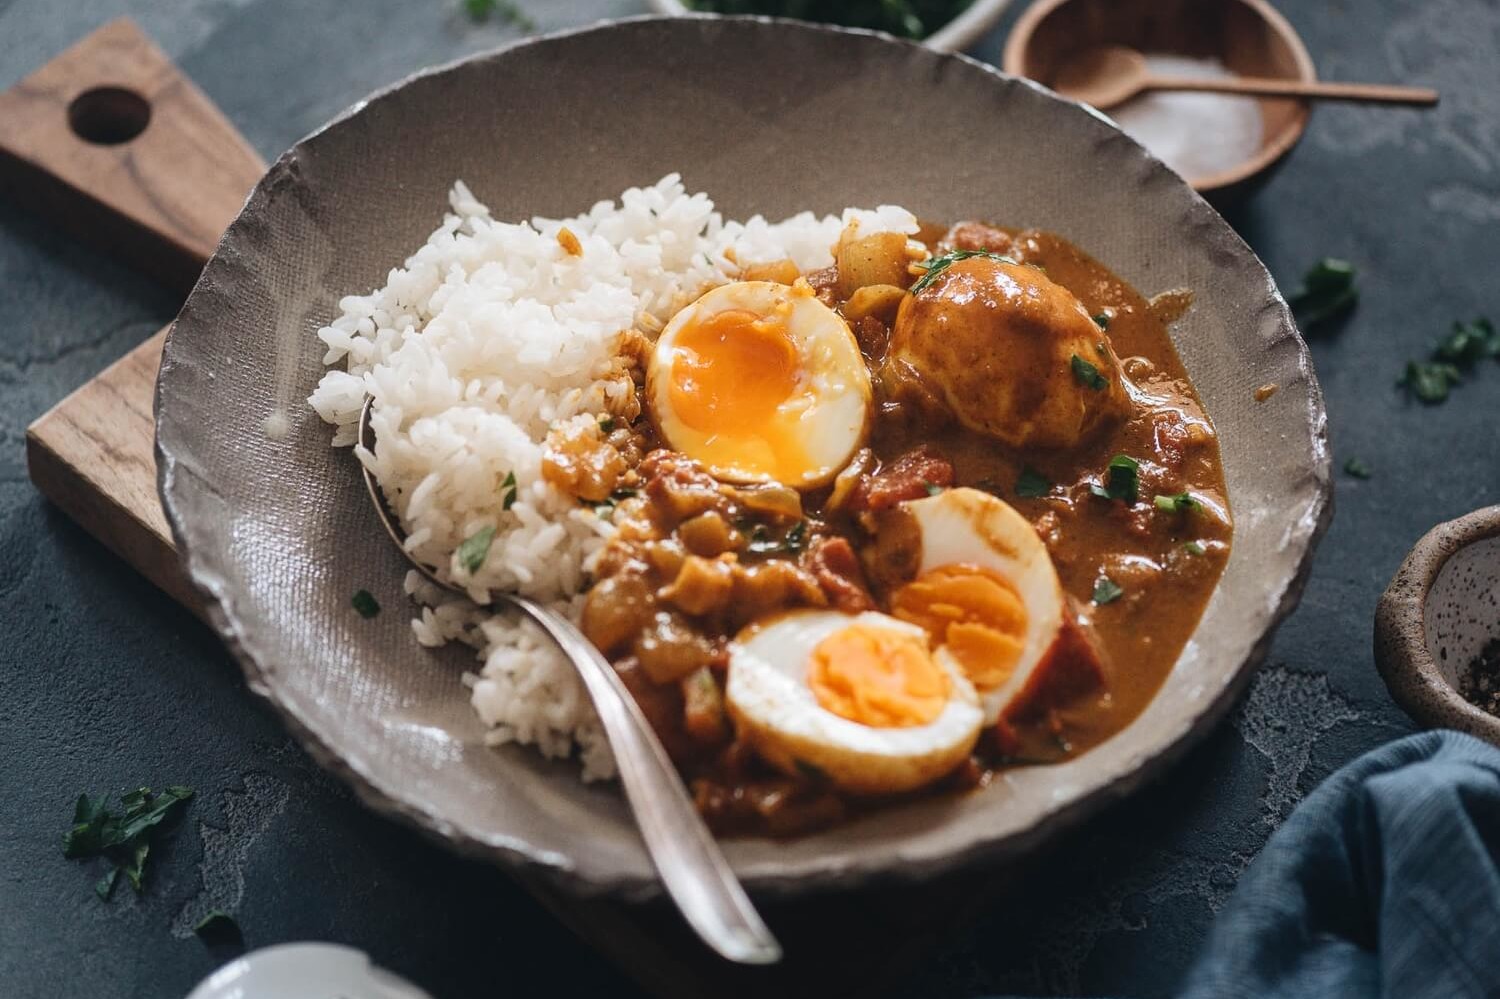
{"x":523,"y":858}
{"x":1272,"y":152}
{"x":1406,"y":665}
{"x":971,"y":24}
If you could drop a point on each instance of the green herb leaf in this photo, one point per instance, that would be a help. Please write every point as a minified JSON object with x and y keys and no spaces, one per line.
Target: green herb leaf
{"x":761,"y":542}
{"x":1356,"y":468}
{"x":795,"y":538}
{"x":135,"y":867}
{"x":1180,"y":503}
{"x":125,"y":838}
{"x":1102,"y":320}
{"x":508,"y":500}
{"x":932,"y":488}
{"x":934,"y":266}
{"x":1194,"y":548}
{"x":1106,"y":591}
{"x":1031,"y":484}
{"x":1328,"y":290}
{"x":1122,"y":480}
{"x":1429,"y":382}
{"x":365,"y":603}
{"x":1087,"y":374}
{"x":606,"y":424}
{"x":506,"y":10}
{"x":1468,"y":344}
{"x":106,"y":886}
{"x":216,"y":924}
{"x":474,"y":550}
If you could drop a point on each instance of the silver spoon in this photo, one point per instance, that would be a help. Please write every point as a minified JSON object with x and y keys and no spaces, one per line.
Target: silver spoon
{"x":687,"y":858}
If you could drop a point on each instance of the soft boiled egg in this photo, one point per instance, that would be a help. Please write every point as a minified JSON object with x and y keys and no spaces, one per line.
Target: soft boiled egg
{"x":985,"y":588}
{"x":857,"y":698}
{"x":761,"y":382}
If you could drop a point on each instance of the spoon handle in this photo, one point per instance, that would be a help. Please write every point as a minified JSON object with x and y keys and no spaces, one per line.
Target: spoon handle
{"x":1374,"y":92}
{"x":692,"y":868}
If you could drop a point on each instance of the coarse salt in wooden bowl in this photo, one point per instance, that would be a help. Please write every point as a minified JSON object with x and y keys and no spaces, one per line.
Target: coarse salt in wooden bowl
{"x":1248,"y":36}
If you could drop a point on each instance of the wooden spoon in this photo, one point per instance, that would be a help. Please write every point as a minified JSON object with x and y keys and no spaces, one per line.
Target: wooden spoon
{"x":1109,"y":75}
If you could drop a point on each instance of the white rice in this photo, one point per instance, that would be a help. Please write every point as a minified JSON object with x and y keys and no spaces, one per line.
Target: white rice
{"x":487,"y":338}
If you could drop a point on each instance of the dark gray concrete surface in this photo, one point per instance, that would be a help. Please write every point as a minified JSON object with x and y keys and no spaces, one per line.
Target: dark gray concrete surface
{"x":105,"y":684}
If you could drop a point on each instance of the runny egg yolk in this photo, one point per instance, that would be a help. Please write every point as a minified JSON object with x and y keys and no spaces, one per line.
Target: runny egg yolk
{"x":976,"y":613}
{"x":878,"y":677}
{"x":731,"y":371}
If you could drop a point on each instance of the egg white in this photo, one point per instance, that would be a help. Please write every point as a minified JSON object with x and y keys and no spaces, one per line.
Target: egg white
{"x":773,"y":706}
{"x":827,"y":414}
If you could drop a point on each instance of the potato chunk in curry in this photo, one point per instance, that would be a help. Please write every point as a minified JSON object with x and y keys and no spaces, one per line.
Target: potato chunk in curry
{"x":1008,"y":353}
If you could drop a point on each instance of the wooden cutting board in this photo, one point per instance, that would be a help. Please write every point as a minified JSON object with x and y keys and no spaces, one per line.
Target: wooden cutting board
{"x":111,"y":142}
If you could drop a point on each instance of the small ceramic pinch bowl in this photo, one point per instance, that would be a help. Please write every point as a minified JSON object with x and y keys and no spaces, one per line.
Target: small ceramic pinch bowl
{"x":1440,"y":610}
{"x":1249,"y":36}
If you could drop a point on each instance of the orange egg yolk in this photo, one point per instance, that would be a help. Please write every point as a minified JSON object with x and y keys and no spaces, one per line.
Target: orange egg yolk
{"x":731,"y":371}
{"x":976,"y":613}
{"x":878,"y":677}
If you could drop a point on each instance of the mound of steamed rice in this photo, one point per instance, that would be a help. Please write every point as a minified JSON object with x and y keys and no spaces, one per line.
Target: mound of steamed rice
{"x":487,"y":338}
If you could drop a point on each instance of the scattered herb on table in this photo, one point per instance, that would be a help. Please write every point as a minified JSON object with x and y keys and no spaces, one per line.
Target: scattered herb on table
{"x":1122,"y":480}
{"x":933,"y":266}
{"x":1180,"y":503}
{"x":1357,"y":468}
{"x":1106,"y":591}
{"x":1328,"y":290}
{"x":505,"y":10}
{"x":1464,"y":347}
{"x":125,"y":838}
{"x":906,"y":18}
{"x":217,"y":925}
{"x":365,"y":603}
{"x":1032,"y":484}
{"x":1088,"y":375}
{"x":508,"y":490}
{"x":475,"y":549}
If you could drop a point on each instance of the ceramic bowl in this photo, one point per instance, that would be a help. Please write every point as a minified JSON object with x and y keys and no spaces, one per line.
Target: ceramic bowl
{"x":1440,"y":610}
{"x":1249,"y":36}
{"x":769,"y":117}
{"x":958,"y":34}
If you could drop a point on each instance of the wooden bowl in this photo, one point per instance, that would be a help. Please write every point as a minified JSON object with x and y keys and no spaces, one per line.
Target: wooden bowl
{"x":1249,"y":36}
{"x":1441,"y":608}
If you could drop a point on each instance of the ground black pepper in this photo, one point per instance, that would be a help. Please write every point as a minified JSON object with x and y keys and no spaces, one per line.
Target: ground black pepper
{"x":1480,"y":682}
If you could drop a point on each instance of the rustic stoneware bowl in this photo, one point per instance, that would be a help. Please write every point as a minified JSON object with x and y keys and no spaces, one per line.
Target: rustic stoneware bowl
{"x":958,"y":34}
{"x":1440,"y":610}
{"x":1249,"y":36}
{"x":770,"y":117}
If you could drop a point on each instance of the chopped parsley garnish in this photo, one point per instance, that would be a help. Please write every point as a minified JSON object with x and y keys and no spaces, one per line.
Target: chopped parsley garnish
{"x":932,"y":488}
{"x":1180,"y":503}
{"x":1468,"y":344}
{"x":934,"y":266}
{"x":795,"y":537}
{"x":1031,"y":484}
{"x":365,"y":603}
{"x":508,"y":489}
{"x":218,"y":924}
{"x":1102,"y":320}
{"x":761,"y":542}
{"x":606,"y":424}
{"x":1194,"y":547}
{"x":1356,"y":468}
{"x":1087,"y":374}
{"x":506,"y":10}
{"x":1106,"y":591}
{"x":1328,"y":290}
{"x":1122,"y":480}
{"x":123,"y":839}
{"x":1429,"y":382}
{"x":475,"y":549}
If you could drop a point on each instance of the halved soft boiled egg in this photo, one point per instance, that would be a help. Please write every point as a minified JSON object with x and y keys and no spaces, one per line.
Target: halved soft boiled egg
{"x":761,"y":382}
{"x":985,"y":588}
{"x":859,"y":699}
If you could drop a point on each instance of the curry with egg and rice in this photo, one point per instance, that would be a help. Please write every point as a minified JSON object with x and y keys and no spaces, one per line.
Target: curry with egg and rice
{"x":948,"y":506}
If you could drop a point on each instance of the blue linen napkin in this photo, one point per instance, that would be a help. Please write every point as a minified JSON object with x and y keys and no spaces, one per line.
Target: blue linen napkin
{"x":1385,"y":881}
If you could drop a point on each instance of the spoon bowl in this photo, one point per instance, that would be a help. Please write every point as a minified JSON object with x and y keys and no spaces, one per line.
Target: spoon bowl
{"x":692,"y":868}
